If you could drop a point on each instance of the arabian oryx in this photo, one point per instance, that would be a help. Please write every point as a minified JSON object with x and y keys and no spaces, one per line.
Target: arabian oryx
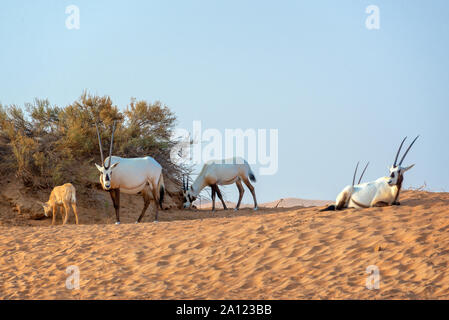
{"x":381,"y":192}
{"x":132,"y":176}
{"x":61,"y":197}
{"x":221,"y":172}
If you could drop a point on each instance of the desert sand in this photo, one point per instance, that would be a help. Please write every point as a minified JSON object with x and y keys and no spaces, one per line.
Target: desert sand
{"x":293,"y":253}
{"x":281,"y":203}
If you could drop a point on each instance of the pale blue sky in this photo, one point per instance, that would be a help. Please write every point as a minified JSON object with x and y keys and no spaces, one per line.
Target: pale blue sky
{"x":336,"y":91}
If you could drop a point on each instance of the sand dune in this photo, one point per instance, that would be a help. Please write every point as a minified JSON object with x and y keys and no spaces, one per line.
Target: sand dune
{"x":298,"y":253}
{"x":281,"y":203}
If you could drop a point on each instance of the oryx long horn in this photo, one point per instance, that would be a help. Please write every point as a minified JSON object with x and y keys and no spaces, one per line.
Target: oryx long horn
{"x":361,"y":176}
{"x":112,"y":142}
{"x":355,"y":173}
{"x":397,"y":154}
{"x":408,"y":149}
{"x":99,"y":143}
{"x":183,"y":183}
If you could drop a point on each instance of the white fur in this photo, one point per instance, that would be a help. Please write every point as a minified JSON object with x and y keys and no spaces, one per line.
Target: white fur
{"x":131,"y":175}
{"x":371,"y":193}
{"x":219,"y":172}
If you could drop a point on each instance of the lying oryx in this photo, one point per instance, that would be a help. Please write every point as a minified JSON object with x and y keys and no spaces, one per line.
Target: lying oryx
{"x":221,"y":172}
{"x":381,"y":192}
{"x":132,"y":176}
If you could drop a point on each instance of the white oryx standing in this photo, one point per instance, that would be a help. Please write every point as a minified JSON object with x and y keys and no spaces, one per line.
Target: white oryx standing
{"x":379,"y":193}
{"x":132,"y":176}
{"x":221,"y":172}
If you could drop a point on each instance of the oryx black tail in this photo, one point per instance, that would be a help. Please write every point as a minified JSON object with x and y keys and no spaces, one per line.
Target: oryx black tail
{"x":161,"y":191}
{"x":251,"y":175}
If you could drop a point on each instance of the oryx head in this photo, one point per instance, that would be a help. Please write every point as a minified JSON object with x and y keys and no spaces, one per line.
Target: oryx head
{"x":187,"y":193}
{"x":106,"y":169}
{"x":397,"y":170}
{"x":47,"y":208}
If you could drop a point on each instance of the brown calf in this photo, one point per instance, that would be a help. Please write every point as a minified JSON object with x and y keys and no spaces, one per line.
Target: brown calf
{"x":61,"y":196}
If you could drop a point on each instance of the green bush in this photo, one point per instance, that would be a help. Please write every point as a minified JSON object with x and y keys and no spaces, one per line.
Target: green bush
{"x":47,"y":145}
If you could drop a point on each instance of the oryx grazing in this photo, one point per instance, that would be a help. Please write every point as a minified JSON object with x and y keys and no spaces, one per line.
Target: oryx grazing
{"x":221,"y":172}
{"x":132,"y":176}
{"x":62,"y":197}
{"x":381,"y":192}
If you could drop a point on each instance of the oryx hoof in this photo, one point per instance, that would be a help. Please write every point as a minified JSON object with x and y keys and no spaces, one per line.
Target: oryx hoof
{"x":155,"y":221}
{"x":396,"y":203}
{"x":256,"y":208}
{"x":118,"y":222}
{"x":236,"y":209}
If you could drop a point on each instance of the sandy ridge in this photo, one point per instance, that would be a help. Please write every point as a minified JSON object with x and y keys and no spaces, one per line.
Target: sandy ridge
{"x":273,"y":254}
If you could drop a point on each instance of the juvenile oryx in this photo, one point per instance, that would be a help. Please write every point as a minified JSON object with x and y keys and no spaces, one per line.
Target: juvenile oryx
{"x":381,"y":192}
{"x":221,"y":172}
{"x":61,"y":197}
{"x":132,"y":176}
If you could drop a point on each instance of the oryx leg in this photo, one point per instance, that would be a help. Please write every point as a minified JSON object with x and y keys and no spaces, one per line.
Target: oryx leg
{"x":241,"y":192}
{"x":217,"y":190}
{"x":399,"y":186}
{"x":74,"y":211}
{"x":329,"y":208}
{"x":213,"y":197}
{"x":380,"y":204}
{"x":146,"y":203}
{"x":396,"y":199}
{"x":60,"y":209}
{"x":155,"y":191}
{"x":378,"y":201}
{"x":54,"y":215}
{"x":66,"y":211}
{"x":343,"y":199}
{"x":115,"y":196}
{"x":341,"y":202}
{"x":251,"y":189}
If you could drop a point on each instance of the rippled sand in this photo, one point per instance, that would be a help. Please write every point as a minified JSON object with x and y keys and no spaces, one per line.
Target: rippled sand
{"x":269,"y":254}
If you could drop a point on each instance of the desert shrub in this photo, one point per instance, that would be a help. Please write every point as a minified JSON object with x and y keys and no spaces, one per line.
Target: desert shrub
{"x":47,"y":145}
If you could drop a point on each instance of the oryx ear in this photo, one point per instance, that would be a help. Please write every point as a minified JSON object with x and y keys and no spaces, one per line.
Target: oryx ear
{"x":99,"y":168}
{"x":114,"y":165}
{"x":409,"y":167}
